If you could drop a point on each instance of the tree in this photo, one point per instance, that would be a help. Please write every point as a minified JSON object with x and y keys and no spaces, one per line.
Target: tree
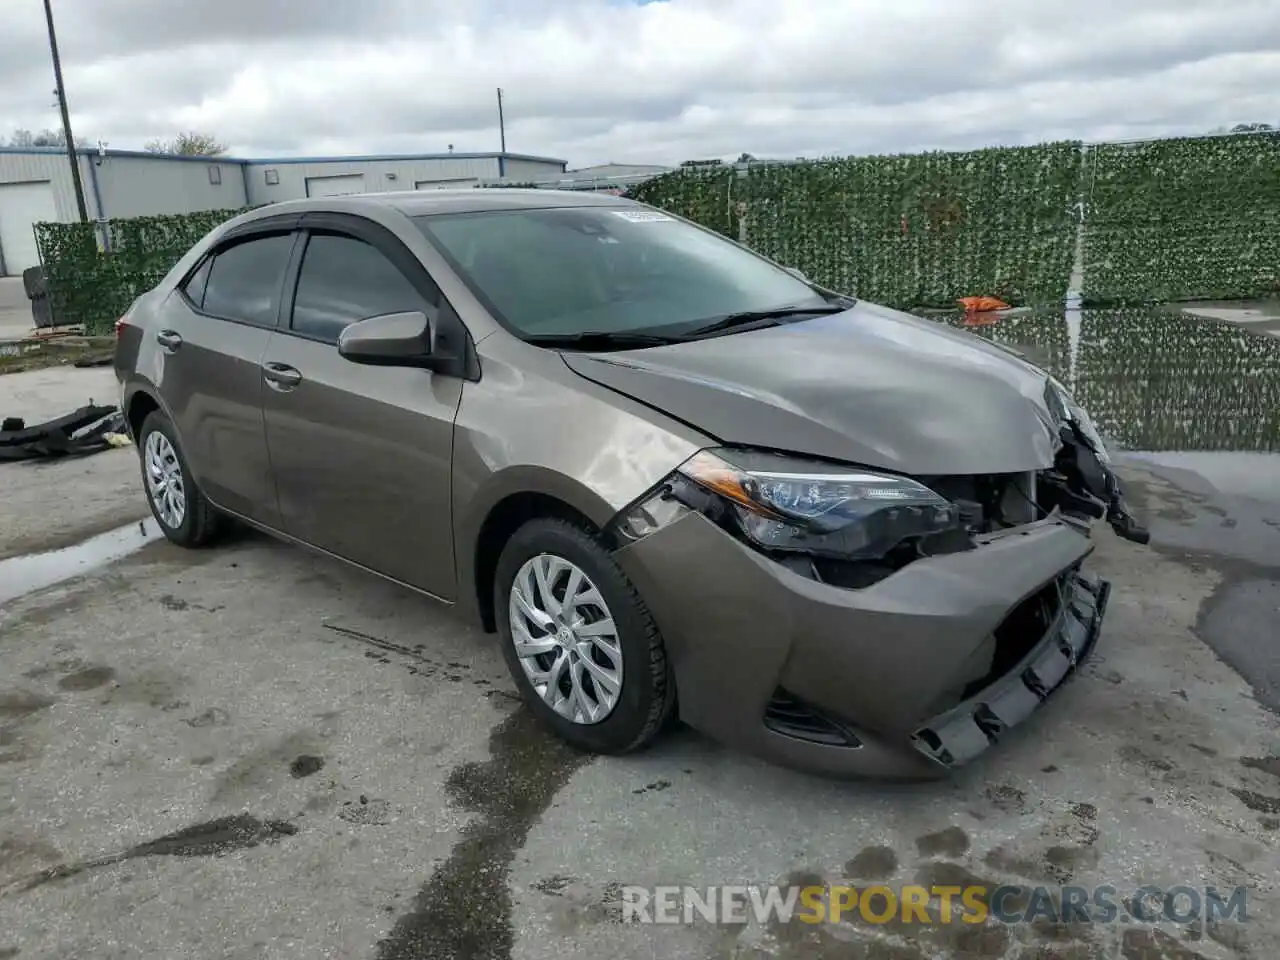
{"x":1244,"y":128}
{"x":193,"y":143}
{"x":45,"y":138}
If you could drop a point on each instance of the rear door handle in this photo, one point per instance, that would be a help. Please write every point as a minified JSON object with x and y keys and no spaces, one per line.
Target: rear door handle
{"x":281,"y":376}
{"x":169,"y":340}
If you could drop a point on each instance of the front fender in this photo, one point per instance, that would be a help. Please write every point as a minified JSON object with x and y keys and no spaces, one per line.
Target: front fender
{"x":532,"y":426}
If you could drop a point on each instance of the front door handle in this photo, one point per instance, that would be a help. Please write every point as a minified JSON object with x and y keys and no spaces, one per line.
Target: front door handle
{"x":169,"y":340}
{"x":281,"y":376}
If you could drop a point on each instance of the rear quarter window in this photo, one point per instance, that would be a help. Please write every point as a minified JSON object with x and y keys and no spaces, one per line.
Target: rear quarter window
{"x":195,"y":284}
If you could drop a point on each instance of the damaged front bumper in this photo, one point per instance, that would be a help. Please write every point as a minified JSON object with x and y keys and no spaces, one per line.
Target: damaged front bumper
{"x":905,"y":678}
{"x":967,"y":730}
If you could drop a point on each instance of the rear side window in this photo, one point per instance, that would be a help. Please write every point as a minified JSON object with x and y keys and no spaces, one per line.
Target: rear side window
{"x":344,"y":280}
{"x":244,"y":281}
{"x":194,"y":287}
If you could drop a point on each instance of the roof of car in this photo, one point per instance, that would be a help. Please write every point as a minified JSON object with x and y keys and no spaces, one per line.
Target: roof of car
{"x":421,"y":203}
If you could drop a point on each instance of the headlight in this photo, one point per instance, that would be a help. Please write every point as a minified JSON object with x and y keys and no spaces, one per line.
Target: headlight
{"x":803,"y":506}
{"x":1065,"y":407}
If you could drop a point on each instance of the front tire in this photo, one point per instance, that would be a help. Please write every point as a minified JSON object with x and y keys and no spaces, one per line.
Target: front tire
{"x":184,"y":515}
{"x":581,"y":645}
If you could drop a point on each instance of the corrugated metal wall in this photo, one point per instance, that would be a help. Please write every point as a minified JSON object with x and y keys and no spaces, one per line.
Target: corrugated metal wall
{"x":53,"y":168}
{"x":128,"y":186}
{"x":533,"y":170}
{"x":131,"y":185}
{"x":293,"y":176}
{"x":141,"y":186}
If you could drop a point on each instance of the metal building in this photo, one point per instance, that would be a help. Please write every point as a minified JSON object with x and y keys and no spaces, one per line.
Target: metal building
{"x":36,"y":184}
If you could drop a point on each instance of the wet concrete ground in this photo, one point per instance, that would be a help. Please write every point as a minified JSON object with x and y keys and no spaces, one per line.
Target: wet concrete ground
{"x":15,"y":310}
{"x":251,"y":751}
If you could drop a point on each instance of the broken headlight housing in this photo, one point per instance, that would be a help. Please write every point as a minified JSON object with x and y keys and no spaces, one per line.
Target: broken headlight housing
{"x":1067,"y":410}
{"x":792,"y":505}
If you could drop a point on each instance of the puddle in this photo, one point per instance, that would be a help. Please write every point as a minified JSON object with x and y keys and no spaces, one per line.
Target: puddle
{"x":1259,"y":316}
{"x":1160,"y":379}
{"x":1238,"y":474}
{"x":35,"y":571}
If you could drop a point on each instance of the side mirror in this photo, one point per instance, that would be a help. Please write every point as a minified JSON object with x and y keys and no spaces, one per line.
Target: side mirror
{"x":797,"y":273}
{"x":390,"y":340}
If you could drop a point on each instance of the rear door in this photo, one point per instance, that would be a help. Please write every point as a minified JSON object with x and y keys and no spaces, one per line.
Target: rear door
{"x":362,"y":455}
{"x":210,"y":339}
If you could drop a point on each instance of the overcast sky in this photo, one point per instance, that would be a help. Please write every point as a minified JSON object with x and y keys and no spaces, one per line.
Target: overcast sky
{"x":596,"y":80}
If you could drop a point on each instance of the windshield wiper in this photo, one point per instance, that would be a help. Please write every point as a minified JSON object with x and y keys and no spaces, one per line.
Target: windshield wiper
{"x":600,"y":339}
{"x":744,"y":317}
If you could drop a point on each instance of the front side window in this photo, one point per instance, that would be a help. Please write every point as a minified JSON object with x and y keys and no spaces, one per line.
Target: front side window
{"x":244,"y":280}
{"x":344,"y":280}
{"x":607,"y":269}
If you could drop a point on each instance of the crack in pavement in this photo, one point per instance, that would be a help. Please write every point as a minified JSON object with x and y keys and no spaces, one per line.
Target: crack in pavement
{"x":213,"y":838}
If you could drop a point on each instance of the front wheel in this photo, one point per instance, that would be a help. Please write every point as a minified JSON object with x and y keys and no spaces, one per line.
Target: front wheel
{"x":579,"y":641}
{"x":184,"y":515}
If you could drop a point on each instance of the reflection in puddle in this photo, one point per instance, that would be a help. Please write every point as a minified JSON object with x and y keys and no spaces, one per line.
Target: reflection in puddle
{"x":35,"y":571}
{"x":1260,"y":316}
{"x":1157,"y":379}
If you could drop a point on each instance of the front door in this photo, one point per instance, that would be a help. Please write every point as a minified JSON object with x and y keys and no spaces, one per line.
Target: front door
{"x":361,"y":454}
{"x":210,"y":341}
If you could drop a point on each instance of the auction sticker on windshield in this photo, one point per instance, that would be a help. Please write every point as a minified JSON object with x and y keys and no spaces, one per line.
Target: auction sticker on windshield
{"x":641,"y":216}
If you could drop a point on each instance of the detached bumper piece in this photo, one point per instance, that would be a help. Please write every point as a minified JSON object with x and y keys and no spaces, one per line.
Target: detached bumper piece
{"x":960,"y":734}
{"x":84,"y":431}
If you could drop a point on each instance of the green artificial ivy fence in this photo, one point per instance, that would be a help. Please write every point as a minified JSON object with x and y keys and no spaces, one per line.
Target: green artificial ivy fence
{"x":907,"y":230}
{"x":707,"y":196}
{"x":1183,"y":219}
{"x":923,"y":229}
{"x":95,"y":270}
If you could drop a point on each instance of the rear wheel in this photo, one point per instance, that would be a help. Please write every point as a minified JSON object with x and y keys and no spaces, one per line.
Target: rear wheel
{"x":579,"y":641}
{"x":184,"y":515}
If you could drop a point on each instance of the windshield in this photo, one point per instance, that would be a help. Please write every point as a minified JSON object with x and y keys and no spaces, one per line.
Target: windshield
{"x":610,"y":270}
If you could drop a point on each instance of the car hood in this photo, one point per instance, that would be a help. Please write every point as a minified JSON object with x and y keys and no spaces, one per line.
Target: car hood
{"x":869,"y":385}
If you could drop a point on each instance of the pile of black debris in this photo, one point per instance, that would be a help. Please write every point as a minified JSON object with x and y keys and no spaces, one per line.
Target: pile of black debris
{"x":90,"y":429}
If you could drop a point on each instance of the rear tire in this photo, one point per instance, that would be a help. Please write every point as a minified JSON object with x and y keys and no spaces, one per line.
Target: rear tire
{"x":619,"y":639}
{"x":183,"y":513}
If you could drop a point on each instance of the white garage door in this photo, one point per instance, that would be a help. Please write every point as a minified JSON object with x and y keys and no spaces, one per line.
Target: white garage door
{"x":335,"y":186}
{"x":21,"y":205}
{"x":446,"y":184}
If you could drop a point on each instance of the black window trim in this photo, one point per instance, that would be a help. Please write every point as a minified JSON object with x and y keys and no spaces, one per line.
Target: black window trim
{"x":205,"y":261}
{"x":385,"y":241}
{"x":245,"y":233}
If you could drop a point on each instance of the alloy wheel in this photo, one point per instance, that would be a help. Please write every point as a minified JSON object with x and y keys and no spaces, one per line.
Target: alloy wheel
{"x":566,"y":639}
{"x":164,"y":480}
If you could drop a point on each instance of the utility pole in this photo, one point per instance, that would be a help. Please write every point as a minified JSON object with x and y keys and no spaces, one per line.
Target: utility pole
{"x":66,"y":116}
{"x":502,"y":126}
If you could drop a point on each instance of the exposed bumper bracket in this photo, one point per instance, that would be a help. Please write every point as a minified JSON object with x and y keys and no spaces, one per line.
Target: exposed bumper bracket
{"x":960,"y":734}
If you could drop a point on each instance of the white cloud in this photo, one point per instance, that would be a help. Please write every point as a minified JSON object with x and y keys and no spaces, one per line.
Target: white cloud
{"x":595,"y":80}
